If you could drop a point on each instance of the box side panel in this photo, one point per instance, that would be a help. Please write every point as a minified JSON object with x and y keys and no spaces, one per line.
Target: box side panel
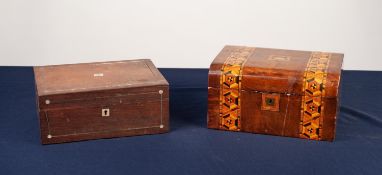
{"x":213,"y":108}
{"x":331,"y":109}
{"x":333,"y":76}
{"x":44,"y":125}
{"x":213,"y":99}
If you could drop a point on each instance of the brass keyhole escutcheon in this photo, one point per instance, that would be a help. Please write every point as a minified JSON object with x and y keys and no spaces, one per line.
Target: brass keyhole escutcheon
{"x":105,"y":112}
{"x":270,"y":101}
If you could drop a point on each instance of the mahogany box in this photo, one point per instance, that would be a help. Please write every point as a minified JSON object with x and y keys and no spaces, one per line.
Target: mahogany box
{"x":273,"y":91}
{"x":101,"y":100}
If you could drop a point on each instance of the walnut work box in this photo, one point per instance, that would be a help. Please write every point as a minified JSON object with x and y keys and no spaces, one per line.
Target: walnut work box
{"x":273,"y":91}
{"x":101,"y":100}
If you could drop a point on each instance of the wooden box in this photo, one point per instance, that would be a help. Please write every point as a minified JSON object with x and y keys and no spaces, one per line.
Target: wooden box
{"x":273,"y":91}
{"x":101,"y":100}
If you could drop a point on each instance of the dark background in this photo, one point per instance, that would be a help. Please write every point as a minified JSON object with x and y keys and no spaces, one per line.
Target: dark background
{"x":190,"y":148}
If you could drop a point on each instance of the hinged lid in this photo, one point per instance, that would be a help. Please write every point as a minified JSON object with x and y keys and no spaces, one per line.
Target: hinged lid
{"x":85,"y":77}
{"x":277,"y":71}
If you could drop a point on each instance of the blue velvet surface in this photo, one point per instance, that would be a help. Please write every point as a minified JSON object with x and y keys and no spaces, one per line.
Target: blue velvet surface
{"x":191,"y":148}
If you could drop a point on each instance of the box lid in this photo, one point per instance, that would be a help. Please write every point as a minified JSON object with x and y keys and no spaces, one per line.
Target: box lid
{"x":277,"y":71}
{"x":84,"y":77}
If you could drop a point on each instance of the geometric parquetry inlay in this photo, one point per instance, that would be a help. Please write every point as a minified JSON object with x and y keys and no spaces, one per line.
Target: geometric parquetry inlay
{"x":230,"y":86}
{"x":312,"y":106}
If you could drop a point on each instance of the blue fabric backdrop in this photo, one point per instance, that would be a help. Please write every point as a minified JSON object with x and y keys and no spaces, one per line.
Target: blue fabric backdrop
{"x":191,"y":148}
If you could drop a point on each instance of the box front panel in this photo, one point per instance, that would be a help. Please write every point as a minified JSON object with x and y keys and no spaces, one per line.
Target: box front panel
{"x":285,"y":121}
{"x":257,"y":118}
{"x":114,"y":117}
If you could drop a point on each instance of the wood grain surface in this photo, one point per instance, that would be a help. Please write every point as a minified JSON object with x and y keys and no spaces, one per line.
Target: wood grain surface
{"x":101,"y":100}
{"x":284,"y":73}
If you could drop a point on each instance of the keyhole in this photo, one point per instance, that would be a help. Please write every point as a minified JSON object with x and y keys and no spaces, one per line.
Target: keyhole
{"x":105,"y":112}
{"x":270,"y":101}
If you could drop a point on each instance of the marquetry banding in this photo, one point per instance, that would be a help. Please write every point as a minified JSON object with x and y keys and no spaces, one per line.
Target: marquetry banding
{"x":230,"y":87}
{"x":312,"y":105}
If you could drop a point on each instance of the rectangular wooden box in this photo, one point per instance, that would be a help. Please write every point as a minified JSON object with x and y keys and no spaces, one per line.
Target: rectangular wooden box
{"x":274,"y":91}
{"x":101,"y":100}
